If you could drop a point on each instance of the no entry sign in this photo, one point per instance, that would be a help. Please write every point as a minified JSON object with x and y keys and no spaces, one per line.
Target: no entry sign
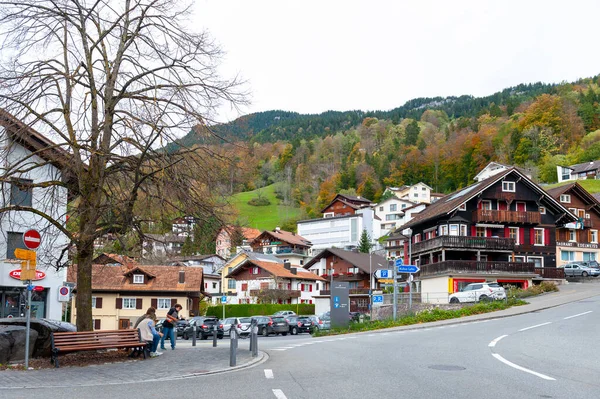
{"x":32,"y":239}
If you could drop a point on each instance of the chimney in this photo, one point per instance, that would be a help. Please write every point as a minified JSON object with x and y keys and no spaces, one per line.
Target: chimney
{"x":182,"y":277}
{"x":294,"y":271}
{"x":287,"y":265}
{"x":277,"y":229}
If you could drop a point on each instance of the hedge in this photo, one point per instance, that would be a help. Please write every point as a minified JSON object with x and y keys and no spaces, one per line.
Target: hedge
{"x":246,"y":310}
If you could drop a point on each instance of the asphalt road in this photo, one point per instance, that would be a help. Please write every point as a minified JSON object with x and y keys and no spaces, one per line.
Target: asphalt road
{"x":547,"y":354}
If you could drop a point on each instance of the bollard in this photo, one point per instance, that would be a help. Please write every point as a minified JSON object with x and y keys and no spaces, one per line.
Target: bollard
{"x":232,"y":348}
{"x":215,"y":335}
{"x":194,"y":334}
{"x":254,"y":337}
{"x":251,"y":336}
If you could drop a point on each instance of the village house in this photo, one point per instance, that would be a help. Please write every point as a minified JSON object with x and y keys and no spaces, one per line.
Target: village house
{"x":223,"y":241}
{"x":416,"y":193}
{"x":580,"y":171}
{"x":287,"y":246}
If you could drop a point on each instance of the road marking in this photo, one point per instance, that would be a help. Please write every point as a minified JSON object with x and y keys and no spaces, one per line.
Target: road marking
{"x":279,"y":349}
{"x":279,"y":394}
{"x":577,"y":315}
{"x":516,"y":366}
{"x":495,"y":341}
{"x":537,"y":325}
{"x":371,"y":335}
{"x":269,"y":374}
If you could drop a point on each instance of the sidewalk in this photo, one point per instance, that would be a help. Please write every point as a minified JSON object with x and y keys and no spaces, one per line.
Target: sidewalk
{"x":173,"y":364}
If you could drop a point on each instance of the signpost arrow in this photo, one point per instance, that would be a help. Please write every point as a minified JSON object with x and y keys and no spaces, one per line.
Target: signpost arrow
{"x":383,"y":273}
{"x":408,"y":269}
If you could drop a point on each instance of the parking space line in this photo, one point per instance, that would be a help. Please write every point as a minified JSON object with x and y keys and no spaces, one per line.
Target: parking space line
{"x":279,"y":394}
{"x":496,"y":340}
{"x":577,"y":315}
{"x":537,"y":325}
{"x":516,"y":366}
{"x":269,"y":374}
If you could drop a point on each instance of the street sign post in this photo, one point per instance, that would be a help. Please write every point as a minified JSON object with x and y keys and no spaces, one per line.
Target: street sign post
{"x":377,"y":300}
{"x":29,"y":264}
{"x":223,"y":302}
{"x":408,"y":269}
{"x":383,"y":273}
{"x":32,"y":239}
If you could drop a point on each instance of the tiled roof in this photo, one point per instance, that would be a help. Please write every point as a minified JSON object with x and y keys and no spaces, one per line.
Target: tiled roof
{"x":357,"y":259}
{"x":166,"y":278}
{"x":104,"y":259}
{"x":351,"y":201}
{"x":281,"y":235}
{"x":578,"y":190}
{"x":275,"y":269}
{"x":584,"y":167}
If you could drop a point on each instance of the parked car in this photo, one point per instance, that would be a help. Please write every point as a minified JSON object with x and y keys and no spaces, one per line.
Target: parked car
{"x":272,"y":325}
{"x":582,"y":269}
{"x":204,"y":327}
{"x":299,"y":324}
{"x":317,"y":322}
{"x":179,"y":327}
{"x":326,"y":319}
{"x":242,"y":325}
{"x":285,"y":313}
{"x":478,"y":292}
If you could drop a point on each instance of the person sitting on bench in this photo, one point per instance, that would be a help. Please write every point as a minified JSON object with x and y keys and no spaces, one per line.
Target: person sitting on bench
{"x":148,"y":332}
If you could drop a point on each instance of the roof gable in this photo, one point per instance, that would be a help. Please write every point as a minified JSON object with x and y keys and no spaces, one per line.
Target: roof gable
{"x":361,"y":260}
{"x":277,"y":270}
{"x":284,"y":236}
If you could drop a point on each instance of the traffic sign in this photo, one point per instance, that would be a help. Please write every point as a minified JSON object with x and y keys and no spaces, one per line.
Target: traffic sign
{"x":25,"y":254}
{"x":63,"y":293}
{"x":224,"y":299}
{"x":408,"y":269}
{"x":32,"y":239}
{"x":38,"y":288}
{"x":377,"y":299}
{"x":398,"y":262}
{"x":383,"y":273}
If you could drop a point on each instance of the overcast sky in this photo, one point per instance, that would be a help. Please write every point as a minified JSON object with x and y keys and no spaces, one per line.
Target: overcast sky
{"x":313,"y":56}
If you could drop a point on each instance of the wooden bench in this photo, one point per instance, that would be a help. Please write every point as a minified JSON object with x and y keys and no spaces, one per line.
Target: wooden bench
{"x":63,"y":342}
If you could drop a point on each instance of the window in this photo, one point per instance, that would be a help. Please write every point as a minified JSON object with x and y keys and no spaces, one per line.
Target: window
{"x":403,"y":206}
{"x":594,"y":236}
{"x":423,"y":188}
{"x":462,"y":207}
{"x":486,"y":205}
{"x":513,"y":232}
{"x":380,"y":209}
{"x":128,"y":303}
{"x":444,"y":230}
{"x":214,"y":285}
{"x":566,"y":198}
{"x":572,"y":235}
{"x":393,"y":207}
{"x":93,"y":302}
{"x":542,"y":210}
{"x":480,"y":232}
{"x":537,"y":261}
{"x":567,"y":256}
{"x":519,"y":259}
{"x":453,"y":229}
{"x":463,"y":230}
{"x":538,"y":237}
{"x":14,"y":241}
{"x":508,"y":186}
{"x":416,"y":195}
{"x":163,"y":303}
{"x":255,"y":270}
{"x":21,"y":192}
{"x":588,"y":256}
{"x":138,"y":279}
{"x":566,"y":173}
{"x":231,"y":284}
{"x":245,"y":287}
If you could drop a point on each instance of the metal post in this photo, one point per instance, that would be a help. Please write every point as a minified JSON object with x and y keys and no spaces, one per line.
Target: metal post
{"x":28,"y":324}
{"x":215,"y":335}
{"x":232,"y":347}
{"x":395,"y":273}
{"x":251,"y":336}
{"x":223,"y":310}
{"x":194,"y":334}
{"x":370,"y":287}
{"x":255,"y":335}
{"x":410,"y":275}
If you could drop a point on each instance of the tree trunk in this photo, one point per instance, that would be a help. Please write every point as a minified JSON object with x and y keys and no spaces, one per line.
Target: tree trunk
{"x":85,"y":255}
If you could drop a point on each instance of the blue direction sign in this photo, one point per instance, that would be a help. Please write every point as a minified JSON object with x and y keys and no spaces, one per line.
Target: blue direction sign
{"x":398,"y":262}
{"x":377,"y":299}
{"x":336,"y":299}
{"x":336,"y":305}
{"x":383,"y":273}
{"x":223,"y":299}
{"x":408,"y":269}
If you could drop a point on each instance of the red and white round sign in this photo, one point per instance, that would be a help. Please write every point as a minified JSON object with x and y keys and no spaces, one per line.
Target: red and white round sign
{"x":32,"y":239}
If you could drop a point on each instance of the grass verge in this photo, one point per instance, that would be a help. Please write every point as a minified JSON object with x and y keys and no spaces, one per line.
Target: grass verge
{"x":425,"y":316}
{"x":545,"y":286}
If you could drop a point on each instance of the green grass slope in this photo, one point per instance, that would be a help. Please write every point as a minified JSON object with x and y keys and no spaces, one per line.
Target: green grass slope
{"x":263,"y":217}
{"x":592,"y":186}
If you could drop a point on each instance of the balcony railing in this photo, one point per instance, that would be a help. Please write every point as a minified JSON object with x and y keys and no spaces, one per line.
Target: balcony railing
{"x":485,"y":215}
{"x":277,"y":292}
{"x":353,"y":291}
{"x":550,"y":272}
{"x":485,"y":243}
{"x":473,"y":266}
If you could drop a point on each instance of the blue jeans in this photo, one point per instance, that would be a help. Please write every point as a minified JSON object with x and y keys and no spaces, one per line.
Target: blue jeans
{"x":170,"y":332}
{"x":155,"y":341}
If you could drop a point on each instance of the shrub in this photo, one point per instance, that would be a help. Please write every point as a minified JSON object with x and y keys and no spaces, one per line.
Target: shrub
{"x":545,"y":286}
{"x":259,"y":201}
{"x":247,"y":310}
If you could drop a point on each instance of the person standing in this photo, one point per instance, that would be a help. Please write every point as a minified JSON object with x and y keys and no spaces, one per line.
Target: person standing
{"x":169,"y":326}
{"x":148,"y":332}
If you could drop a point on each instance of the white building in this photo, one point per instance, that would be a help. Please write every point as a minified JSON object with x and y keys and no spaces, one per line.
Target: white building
{"x":580,"y":171}
{"x":419,"y":192}
{"x":391,"y":213}
{"x":25,"y":172}
{"x":493,"y":168}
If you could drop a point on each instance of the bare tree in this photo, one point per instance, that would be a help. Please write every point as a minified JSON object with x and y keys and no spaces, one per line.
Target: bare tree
{"x":113,"y":82}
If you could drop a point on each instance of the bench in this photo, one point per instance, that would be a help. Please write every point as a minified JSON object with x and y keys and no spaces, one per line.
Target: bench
{"x":63,"y":342}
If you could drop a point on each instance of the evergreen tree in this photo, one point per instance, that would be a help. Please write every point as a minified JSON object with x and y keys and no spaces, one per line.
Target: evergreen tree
{"x":364,"y":245}
{"x":412,"y":133}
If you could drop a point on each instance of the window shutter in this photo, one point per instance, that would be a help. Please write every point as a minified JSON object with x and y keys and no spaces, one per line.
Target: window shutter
{"x":173,"y":301}
{"x":506,"y":232}
{"x":302,"y":287}
{"x":546,"y":236}
{"x":138,"y":303}
{"x":522,"y":235}
{"x":589,"y":235}
{"x":119,"y":304}
{"x":479,"y":206}
{"x":532,"y":236}
{"x":96,"y":323}
{"x":98,"y":303}
{"x":154,"y":302}
{"x":488,"y":232}
{"x":310,"y":287}
{"x":473,"y":231}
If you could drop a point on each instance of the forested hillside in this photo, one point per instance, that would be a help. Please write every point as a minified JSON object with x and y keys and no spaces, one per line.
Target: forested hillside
{"x":443,"y":142}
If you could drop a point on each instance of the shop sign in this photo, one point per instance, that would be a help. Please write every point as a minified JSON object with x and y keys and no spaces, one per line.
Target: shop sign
{"x":16,"y":274}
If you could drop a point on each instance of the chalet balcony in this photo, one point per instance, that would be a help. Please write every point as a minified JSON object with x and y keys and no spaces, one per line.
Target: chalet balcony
{"x":276,"y":292}
{"x":550,"y":272}
{"x":473,"y":266}
{"x":464,"y":242}
{"x":491,"y":216}
{"x":353,"y":291}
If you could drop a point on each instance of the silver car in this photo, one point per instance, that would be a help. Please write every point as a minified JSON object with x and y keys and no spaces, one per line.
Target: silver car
{"x":242,"y":325}
{"x":582,"y":269}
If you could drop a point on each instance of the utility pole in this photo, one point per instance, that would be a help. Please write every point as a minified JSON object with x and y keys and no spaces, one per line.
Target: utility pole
{"x":370,"y":286}
{"x":410,"y":276}
{"x":395,"y":273}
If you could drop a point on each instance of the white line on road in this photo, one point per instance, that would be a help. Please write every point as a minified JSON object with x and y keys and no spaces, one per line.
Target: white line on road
{"x":371,"y":335}
{"x":577,"y":315}
{"x":279,"y":394}
{"x":537,"y":325}
{"x":516,"y":366}
{"x":495,"y":341}
{"x":269,"y":373}
{"x":279,"y":349}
